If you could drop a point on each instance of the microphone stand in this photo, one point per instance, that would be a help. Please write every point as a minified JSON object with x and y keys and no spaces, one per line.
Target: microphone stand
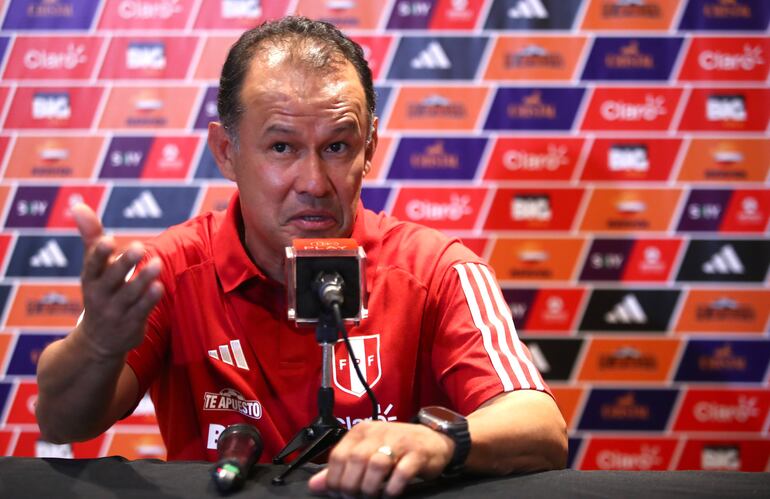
{"x":325,"y":431}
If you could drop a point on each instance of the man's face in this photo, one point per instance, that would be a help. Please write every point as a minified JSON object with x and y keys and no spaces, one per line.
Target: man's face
{"x":301,"y":154}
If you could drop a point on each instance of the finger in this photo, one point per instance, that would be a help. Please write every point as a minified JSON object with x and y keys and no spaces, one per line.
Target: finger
{"x":141,"y":309}
{"x":317,"y":482}
{"x":407,"y":468}
{"x":355,"y":466}
{"x":338,"y":458}
{"x":88,"y":224}
{"x":377,"y":471}
{"x":96,"y":258}
{"x":114,"y":275}
{"x":134,"y":289}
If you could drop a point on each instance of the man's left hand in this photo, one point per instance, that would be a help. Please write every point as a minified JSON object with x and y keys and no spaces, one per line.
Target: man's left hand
{"x":378,"y":458}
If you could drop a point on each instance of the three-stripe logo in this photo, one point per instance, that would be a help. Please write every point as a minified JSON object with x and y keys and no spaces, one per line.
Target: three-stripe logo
{"x":49,"y":256}
{"x":432,"y":57}
{"x":231,"y":354}
{"x":724,"y":261}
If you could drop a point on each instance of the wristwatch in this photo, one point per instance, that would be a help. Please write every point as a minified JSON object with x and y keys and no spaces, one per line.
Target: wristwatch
{"x":453,"y":425}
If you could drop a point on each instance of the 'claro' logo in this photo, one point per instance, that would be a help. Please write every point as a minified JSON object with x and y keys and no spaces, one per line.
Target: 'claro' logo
{"x":714,"y":412}
{"x":72,"y":56}
{"x":649,"y":110}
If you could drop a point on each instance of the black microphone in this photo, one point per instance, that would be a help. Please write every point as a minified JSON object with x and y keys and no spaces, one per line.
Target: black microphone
{"x":329,"y":286}
{"x":238,"y":447}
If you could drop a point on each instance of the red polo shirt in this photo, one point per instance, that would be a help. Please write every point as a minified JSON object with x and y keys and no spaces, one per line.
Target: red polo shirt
{"x":219,"y":349}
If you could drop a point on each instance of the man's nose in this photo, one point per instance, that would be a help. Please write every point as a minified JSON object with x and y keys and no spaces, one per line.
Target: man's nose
{"x":312,"y":177}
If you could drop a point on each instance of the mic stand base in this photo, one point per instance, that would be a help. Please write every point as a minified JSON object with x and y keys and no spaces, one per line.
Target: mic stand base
{"x":316,"y":439}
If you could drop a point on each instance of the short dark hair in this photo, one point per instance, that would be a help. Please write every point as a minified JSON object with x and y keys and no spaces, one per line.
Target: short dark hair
{"x":289,"y":31}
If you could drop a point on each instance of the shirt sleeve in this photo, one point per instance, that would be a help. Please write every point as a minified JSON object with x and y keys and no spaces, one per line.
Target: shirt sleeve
{"x":476,"y":351}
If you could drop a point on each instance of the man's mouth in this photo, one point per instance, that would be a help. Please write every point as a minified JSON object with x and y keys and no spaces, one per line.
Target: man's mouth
{"x":314,"y":221}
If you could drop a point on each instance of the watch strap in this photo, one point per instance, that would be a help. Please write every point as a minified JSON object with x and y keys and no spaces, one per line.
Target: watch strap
{"x":462,"y":440}
{"x":457,"y":431}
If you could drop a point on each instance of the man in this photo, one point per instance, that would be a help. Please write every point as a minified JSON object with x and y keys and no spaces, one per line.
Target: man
{"x":202,"y":322}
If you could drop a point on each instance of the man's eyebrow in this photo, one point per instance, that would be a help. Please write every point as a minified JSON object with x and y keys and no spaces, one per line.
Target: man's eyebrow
{"x":278,"y":128}
{"x":345,"y":127}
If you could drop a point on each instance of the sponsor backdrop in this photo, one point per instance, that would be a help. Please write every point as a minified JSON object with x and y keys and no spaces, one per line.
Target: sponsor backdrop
{"x":609,"y":157}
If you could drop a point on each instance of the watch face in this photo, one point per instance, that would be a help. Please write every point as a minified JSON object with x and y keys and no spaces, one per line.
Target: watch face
{"x":441,"y":415}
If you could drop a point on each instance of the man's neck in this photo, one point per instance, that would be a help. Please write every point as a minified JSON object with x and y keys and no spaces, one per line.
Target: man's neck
{"x":270,"y":264}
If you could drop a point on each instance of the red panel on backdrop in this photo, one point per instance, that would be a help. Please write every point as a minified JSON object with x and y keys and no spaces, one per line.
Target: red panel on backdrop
{"x":633,"y":108}
{"x":725,"y":454}
{"x":628,"y":454}
{"x":726,"y":59}
{"x":534,"y":158}
{"x":723,"y":410}
{"x":53,"y":107}
{"x":53,"y":58}
{"x":456,"y":208}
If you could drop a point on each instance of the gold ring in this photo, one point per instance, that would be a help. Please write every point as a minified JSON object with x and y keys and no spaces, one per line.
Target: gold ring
{"x":386,"y":450}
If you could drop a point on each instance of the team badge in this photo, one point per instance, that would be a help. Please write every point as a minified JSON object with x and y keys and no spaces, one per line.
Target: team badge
{"x":366,"y":350}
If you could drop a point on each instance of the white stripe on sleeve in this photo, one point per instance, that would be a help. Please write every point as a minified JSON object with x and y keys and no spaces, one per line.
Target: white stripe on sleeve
{"x":486,"y":334}
{"x":505,"y":312}
{"x":502,"y":343}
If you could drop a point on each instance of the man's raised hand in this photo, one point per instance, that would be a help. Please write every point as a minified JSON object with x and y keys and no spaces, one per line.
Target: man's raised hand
{"x":116,"y":309}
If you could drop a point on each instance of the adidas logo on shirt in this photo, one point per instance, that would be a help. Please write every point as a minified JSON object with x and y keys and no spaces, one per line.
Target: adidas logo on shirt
{"x":432,"y":57}
{"x":528,"y":9}
{"x":144,"y":206}
{"x":628,"y":311}
{"x":724,"y":261}
{"x":49,"y":256}
{"x":228,"y":353}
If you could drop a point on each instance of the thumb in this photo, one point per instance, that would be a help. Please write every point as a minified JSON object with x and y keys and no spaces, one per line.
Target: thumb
{"x":88,"y":224}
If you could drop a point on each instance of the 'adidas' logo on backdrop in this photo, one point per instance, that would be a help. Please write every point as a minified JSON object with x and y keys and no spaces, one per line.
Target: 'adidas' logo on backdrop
{"x":50,"y":255}
{"x":432,"y":57}
{"x":528,"y":9}
{"x":144,"y":206}
{"x":724,"y":261}
{"x":628,"y":311}
{"x":538,"y":358}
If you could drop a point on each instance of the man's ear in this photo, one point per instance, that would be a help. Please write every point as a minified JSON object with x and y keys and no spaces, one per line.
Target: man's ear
{"x":222,"y":148}
{"x":371,"y":148}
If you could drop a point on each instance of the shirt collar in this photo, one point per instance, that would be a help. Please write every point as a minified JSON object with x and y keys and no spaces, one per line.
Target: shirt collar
{"x":232,"y":262}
